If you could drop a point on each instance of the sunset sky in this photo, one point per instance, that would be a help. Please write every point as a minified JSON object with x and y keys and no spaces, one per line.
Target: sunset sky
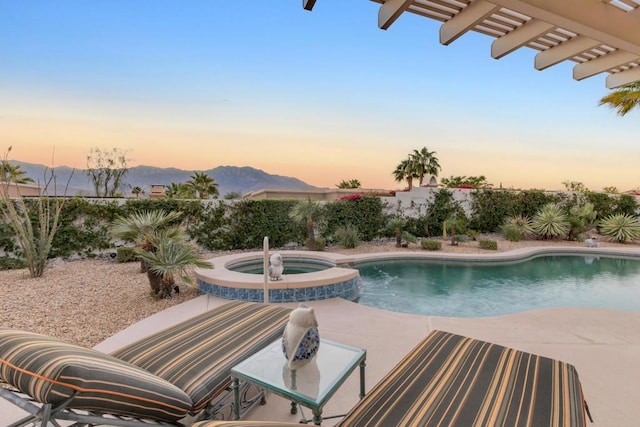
{"x":322,"y":96}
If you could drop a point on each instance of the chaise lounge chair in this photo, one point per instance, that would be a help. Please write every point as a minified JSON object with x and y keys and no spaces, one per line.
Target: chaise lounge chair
{"x":180,"y":373}
{"x":451,"y":380}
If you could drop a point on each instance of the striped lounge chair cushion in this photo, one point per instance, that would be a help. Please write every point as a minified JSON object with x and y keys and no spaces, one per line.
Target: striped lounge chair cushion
{"x":51,"y":371}
{"x":451,"y":380}
{"x":245,"y":424}
{"x":197,"y":355}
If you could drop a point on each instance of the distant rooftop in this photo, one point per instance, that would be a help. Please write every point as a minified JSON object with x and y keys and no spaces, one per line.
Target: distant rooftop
{"x":600,"y":36}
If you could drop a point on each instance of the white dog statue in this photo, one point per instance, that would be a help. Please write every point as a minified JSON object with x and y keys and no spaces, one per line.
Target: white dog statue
{"x":591,"y":242}
{"x":301,"y":340}
{"x":276,"y":267}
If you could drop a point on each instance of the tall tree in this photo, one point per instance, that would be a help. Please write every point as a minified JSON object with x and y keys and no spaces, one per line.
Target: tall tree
{"x":179,"y":191}
{"x":623,"y":99}
{"x":106,"y":170}
{"x":203,"y":185}
{"x":424,"y":162}
{"x":13,"y":173}
{"x":405,"y":171}
{"x":136,"y":191}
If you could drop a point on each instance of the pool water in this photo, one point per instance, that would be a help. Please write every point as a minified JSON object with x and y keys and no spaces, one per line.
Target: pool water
{"x":291,"y":266}
{"x":481,"y":289}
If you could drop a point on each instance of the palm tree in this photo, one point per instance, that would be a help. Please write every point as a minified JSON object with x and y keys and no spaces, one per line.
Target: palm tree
{"x":139,"y":227}
{"x":307,"y":211}
{"x":424,"y":162}
{"x":623,"y":99}
{"x":137,"y":191}
{"x":171,"y":256}
{"x":13,"y":173}
{"x":179,"y":191}
{"x":203,"y":185}
{"x":403,"y":171}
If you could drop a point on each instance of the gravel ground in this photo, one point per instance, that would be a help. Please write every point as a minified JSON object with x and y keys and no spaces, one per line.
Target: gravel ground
{"x":87,"y":301}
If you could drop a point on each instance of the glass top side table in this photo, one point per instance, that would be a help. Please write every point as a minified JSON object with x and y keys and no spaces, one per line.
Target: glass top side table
{"x":312,"y":385}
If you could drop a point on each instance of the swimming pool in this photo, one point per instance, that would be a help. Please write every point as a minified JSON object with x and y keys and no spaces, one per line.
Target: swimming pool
{"x":477,"y":289}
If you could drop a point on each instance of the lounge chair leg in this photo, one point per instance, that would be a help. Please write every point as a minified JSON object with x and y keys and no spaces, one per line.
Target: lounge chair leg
{"x":362,"y":385}
{"x":236,"y":398}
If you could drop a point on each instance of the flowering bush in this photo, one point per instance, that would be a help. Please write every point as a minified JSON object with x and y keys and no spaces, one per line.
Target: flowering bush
{"x":351,"y":197}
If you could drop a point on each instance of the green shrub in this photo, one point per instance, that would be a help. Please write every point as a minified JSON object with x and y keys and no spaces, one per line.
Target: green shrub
{"x":461,"y":238}
{"x":551,"y":222}
{"x":620,"y":227}
{"x":431,"y":245}
{"x":7,"y":263}
{"x":365,"y":213}
{"x":347,"y":236}
{"x":126,"y":254}
{"x":488,"y":244}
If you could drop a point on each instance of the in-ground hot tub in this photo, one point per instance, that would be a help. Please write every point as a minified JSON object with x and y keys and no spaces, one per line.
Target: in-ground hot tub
{"x":308,"y":276}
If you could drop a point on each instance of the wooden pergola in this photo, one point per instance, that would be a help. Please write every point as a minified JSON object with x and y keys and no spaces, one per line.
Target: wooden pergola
{"x":599,"y":36}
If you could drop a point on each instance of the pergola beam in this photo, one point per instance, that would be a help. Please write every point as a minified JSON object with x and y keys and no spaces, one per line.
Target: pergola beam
{"x":308,"y":4}
{"x":591,"y":18}
{"x":622,"y":78}
{"x":520,"y":37}
{"x":603,"y":63}
{"x":563,"y":51}
{"x":466,"y":20}
{"x":390,"y":11}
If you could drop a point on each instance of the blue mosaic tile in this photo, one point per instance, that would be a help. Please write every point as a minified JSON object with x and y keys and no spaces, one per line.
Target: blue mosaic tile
{"x":351,"y":290}
{"x":299,"y":294}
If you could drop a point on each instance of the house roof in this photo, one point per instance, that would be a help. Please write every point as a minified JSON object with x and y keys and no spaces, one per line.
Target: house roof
{"x":599,"y":36}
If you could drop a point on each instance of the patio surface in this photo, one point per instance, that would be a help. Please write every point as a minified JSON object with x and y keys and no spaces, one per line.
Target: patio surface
{"x":604,"y":345}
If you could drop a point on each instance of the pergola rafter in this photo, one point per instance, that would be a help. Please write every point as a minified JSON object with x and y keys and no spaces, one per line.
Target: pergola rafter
{"x":600,"y":36}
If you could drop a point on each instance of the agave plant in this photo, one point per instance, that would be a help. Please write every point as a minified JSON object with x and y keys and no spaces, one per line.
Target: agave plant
{"x":171,"y":257}
{"x":516,"y":227}
{"x":620,"y":227}
{"x":551,"y":222}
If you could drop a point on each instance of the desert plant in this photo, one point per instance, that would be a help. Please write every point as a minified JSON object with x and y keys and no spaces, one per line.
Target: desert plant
{"x":488,"y":244}
{"x":453,"y":226}
{"x":172,"y":256}
{"x":34,"y":232}
{"x":307,"y":211}
{"x":126,"y":254}
{"x":408,"y":238}
{"x":551,"y":222}
{"x":516,"y":227}
{"x":431,"y":245}
{"x":395,"y":225}
{"x":620,"y":227}
{"x":139,"y":227}
{"x":347,"y":236}
{"x":581,"y":219}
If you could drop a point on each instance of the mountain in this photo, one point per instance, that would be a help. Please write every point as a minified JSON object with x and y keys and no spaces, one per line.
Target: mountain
{"x":229,"y":178}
